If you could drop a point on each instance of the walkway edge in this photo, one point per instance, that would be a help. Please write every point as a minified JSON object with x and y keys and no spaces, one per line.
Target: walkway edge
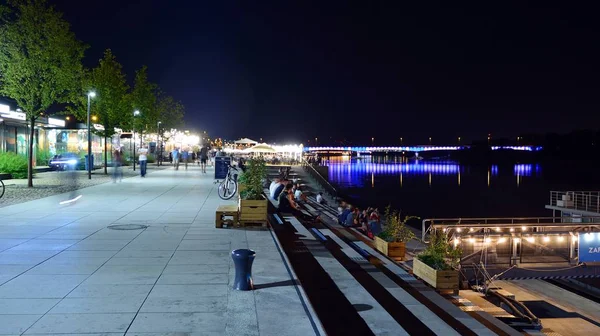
{"x":312,"y":315}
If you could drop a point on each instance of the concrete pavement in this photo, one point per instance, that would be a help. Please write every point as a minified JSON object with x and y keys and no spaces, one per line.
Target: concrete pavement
{"x":63,"y":271}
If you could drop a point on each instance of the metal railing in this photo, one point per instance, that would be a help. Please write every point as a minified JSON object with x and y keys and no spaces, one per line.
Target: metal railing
{"x":577,"y":200}
{"x":320,"y":179}
{"x":475,"y":224}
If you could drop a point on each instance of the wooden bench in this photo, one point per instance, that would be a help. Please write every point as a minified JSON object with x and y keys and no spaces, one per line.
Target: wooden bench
{"x":226,"y":211}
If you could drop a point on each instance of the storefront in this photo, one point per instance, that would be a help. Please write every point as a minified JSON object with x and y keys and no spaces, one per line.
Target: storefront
{"x":51,"y":137}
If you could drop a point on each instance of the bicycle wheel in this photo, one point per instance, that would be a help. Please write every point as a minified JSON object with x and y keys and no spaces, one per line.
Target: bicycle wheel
{"x":1,"y":188}
{"x":227,"y":189}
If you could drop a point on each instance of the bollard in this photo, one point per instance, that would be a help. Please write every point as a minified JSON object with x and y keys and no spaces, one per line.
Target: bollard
{"x":243,"y":258}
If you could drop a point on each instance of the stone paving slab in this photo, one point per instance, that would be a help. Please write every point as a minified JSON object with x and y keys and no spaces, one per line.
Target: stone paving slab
{"x":63,"y":271}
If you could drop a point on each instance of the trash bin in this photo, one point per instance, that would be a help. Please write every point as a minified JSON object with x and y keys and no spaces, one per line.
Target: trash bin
{"x":89,"y":163}
{"x":242,"y":259}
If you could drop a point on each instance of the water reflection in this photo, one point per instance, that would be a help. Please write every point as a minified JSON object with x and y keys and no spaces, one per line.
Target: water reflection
{"x":348,"y":172}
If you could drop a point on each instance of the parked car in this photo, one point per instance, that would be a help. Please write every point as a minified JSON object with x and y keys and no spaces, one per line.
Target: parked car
{"x":65,"y":161}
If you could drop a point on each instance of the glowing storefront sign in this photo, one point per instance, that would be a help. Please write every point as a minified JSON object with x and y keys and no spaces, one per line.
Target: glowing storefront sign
{"x":13,"y":115}
{"x":56,"y":122}
{"x":589,"y":247}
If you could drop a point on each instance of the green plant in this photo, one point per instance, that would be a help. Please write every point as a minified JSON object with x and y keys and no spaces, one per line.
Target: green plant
{"x":13,"y":164}
{"x":150,"y":158}
{"x":440,"y":254}
{"x":256,"y":172}
{"x":42,"y":156}
{"x":396,"y":229}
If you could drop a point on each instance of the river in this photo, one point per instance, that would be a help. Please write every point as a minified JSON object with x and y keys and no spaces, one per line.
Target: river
{"x":449,"y":189}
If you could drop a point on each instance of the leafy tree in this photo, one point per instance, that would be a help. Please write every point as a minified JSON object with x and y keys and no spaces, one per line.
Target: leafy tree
{"x":40,"y":61}
{"x":143,"y":98}
{"x":169,"y":111}
{"x":111,"y":105}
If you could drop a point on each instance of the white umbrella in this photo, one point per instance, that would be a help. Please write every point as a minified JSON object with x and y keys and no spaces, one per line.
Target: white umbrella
{"x":246,"y":141}
{"x":261,"y":148}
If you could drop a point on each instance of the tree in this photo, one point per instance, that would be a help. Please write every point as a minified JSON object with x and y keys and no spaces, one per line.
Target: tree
{"x":111,"y":104}
{"x":169,"y":111}
{"x":143,"y":98}
{"x":40,"y":61}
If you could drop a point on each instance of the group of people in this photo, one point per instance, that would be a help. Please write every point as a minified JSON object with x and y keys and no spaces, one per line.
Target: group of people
{"x":368,"y":220}
{"x":288,"y":193}
{"x":186,"y":156}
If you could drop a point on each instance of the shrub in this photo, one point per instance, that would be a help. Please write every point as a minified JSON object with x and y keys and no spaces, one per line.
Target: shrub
{"x":395,"y":228}
{"x":439,"y":254}
{"x":13,"y":164}
{"x":256,"y":172}
{"x":42,"y":157}
{"x":150,"y":158}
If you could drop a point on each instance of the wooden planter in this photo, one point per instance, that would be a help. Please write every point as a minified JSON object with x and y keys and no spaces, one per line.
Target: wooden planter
{"x":253,"y":212}
{"x":393,"y":250}
{"x":442,"y":280}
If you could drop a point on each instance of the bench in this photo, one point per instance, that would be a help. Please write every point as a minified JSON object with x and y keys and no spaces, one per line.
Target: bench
{"x":226,"y":211}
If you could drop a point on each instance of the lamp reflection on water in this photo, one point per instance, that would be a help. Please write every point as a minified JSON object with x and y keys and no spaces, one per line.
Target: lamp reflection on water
{"x":345,"y":171}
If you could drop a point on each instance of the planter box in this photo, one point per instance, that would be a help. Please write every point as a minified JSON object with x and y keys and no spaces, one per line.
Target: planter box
{"x":442,"y":280}
{"x":254,"y":211}
{"x":393,"y":250}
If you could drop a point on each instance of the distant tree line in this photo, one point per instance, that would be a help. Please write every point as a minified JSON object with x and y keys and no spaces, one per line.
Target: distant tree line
{"x":41,"y":66}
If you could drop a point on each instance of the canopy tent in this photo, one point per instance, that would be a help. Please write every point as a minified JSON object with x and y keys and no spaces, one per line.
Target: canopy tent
{"x":246,"y":141}
{"x":261,"y":148}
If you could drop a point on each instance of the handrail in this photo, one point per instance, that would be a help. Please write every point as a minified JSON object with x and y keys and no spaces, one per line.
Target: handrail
{"x":499,"y":222}
{"x":588,"y":201}
{"x":320,"y":179}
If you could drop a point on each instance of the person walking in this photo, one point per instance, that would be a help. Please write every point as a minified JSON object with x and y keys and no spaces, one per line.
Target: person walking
{"x":143,"y":159}
{"x":175,"y":155}
{"x":117,"y":163}
{"x":185,"y":157}
{"x":203,"y":158}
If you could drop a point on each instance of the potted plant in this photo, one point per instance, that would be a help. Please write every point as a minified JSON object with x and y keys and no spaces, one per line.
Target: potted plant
{"x":437,"y":264}
{"x":252,"y":203}
{"x":392,"y":240}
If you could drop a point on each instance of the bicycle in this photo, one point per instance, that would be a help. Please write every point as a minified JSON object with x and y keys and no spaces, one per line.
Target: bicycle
{"x":1,"y":188}
{"x":228,"y":187}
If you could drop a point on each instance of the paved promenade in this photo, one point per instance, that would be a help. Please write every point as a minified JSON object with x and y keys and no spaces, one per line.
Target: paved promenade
{"x":63,"y":271}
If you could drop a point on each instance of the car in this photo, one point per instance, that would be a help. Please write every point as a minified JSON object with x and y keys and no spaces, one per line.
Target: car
{"x":64,"y":161}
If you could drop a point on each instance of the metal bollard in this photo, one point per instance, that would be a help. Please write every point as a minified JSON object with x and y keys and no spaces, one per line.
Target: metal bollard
{"x":243,"y":258}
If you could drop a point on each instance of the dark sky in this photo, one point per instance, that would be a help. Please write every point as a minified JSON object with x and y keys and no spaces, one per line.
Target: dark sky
{"x":295,"y":70}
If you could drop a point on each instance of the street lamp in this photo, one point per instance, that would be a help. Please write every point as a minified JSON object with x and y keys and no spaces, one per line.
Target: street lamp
{"x":401,"y":141}
{"x":458,"y":139}
{"x":90,"y":95}
{"x":135,"y":114}
{"x":158,"y":142}
{"x":429,"y":141}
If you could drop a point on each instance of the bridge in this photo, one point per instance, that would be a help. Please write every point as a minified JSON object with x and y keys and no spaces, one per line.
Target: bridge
{"x":362,"y":149}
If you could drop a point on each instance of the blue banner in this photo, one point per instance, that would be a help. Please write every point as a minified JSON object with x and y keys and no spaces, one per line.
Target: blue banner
{"x":589,"y":247}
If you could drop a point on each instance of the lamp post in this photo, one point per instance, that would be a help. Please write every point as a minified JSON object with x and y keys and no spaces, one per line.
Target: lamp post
{"x":135,"y":114}
{"x":90,"y":95}
{"x":429,"y":141}
{"x":158,"y":152}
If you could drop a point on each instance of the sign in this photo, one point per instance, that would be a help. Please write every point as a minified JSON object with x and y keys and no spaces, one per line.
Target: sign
{"x":221,"y":167}
{"x":98,"y":127}
{"x":13,"y":115}
{"x":4,"y":108}
{"x":56,"y":122}
{"x":589,"y":247}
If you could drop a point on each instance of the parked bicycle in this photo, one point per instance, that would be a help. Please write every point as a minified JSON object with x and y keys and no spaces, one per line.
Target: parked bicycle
{"x":228,"y":187}
{"x":1,"y":188}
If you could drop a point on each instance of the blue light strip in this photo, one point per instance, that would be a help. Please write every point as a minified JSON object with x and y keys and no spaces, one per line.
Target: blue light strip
{"x":363,"y":149}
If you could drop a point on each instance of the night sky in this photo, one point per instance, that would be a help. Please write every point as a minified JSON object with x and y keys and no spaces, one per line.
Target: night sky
{"x":292,"y":71}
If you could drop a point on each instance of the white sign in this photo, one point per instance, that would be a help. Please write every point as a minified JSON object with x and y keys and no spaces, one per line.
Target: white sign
{"x":99,"y":127}
{"x":13,"y":115}
{"x":56,"y":122}
{"x":4,"y":108}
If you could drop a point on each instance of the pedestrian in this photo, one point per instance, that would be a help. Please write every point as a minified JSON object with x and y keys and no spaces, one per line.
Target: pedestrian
{"x":203,"y":157}
{"x":175,"y":155}
{"x":185,"y":157}
{"x":117,"y":163}
{"x":143,"y":159}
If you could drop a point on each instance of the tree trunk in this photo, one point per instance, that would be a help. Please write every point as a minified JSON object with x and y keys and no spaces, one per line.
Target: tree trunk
{"x":30,"y":163}
{"x":105,"y":157}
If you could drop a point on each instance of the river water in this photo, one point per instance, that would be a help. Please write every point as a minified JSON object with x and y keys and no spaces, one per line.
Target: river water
{"x":449,"y":189}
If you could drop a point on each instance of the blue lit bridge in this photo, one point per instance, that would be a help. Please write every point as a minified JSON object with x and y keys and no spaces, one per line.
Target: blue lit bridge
{"x":373,"y":149}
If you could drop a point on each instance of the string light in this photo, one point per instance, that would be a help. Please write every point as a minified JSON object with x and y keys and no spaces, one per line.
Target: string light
{"x":546,"y":239}
{"x":517,"y":240}
{"x":501,"y":240}
{"x":530,"y":239}
{"x":560,"y":238}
